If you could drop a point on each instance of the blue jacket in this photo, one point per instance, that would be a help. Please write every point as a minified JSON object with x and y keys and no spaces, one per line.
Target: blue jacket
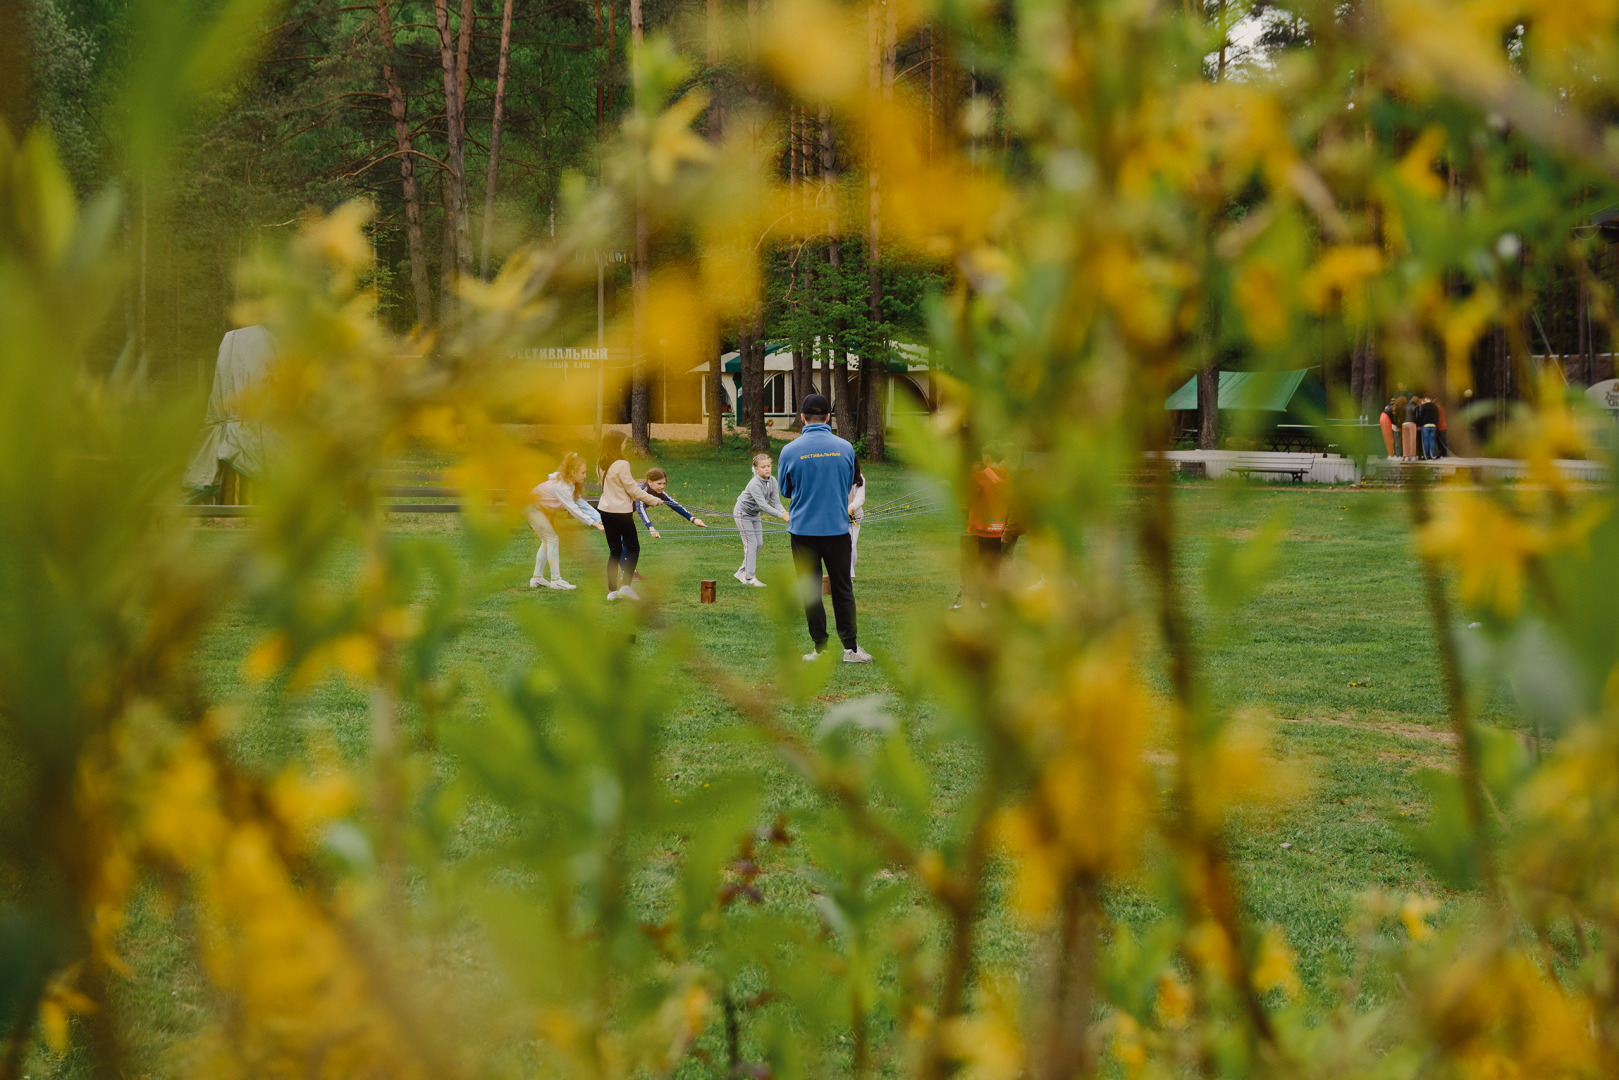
{"x":817,"y":471}
{"x":668,"y":500}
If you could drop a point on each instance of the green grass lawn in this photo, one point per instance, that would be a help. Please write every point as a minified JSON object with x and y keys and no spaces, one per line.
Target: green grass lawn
{"x":1336,"y":645}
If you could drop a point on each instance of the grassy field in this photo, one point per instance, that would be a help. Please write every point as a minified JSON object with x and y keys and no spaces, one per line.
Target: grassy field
{"x":1336,"y":646}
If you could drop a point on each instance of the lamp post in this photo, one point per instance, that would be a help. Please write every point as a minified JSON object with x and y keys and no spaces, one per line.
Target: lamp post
{"x":601,"y":343}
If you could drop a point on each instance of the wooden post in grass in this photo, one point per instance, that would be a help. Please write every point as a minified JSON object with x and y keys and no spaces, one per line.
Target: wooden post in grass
{"x":709,"y":594}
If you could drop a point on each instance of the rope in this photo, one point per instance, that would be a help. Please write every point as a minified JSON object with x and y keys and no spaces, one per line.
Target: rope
{"x":694,"y":533}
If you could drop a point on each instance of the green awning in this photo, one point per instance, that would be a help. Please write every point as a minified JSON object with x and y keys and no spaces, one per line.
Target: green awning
{"x":1259,"y":391}
{"x":734,"y":364}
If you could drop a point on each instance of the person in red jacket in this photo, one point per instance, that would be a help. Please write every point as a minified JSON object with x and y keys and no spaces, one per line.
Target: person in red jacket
{"x":989,"y":508}
{"x":1444,"y":447}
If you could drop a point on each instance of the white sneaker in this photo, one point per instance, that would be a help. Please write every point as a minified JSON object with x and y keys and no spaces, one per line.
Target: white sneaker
{"x":538,"y":583}
{"x":756,"y":583}
{"x":811,"y":656}
{"x":613,"y":595}
{"x":628,"y":592}
{"x":856,"y":656}
{"x":740,"y":576}
{"x":558,"y":583}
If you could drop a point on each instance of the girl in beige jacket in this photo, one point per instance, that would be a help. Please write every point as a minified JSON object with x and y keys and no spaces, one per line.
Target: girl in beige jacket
{"x":619,"y":495}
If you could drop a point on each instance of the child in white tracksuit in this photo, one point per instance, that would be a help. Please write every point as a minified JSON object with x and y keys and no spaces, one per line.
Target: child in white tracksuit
{"x":760,"y":497}
{"x":857,"y":513}
{"x":563,"y":491}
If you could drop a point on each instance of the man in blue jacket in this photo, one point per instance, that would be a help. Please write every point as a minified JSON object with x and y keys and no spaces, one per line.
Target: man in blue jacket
{"x":816,"y":472}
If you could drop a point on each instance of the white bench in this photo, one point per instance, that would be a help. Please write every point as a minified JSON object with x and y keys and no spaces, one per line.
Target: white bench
{"x":1294,"y":465}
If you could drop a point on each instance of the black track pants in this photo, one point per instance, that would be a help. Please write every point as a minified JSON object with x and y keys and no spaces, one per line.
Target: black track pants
{"x":623,"y":547}
{"x":810,"y":554}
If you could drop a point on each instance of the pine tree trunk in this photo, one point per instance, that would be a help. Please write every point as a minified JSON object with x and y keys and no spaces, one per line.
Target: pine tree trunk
{"x":1582,"y":320}
{"x":640,"y":387}
{"x":601,"y":79}
{"x":873,"y":375}
{"x":716,"y":401}
{"x":1588,"y":371}
{"x":640,"y":391}
{"x":1208,"y":406}
{"x":494,"y":132}
{"x":813,"y":323}
{"x":1364,"y":375}
{"x":716,"y":422}
{"x":458,"y":253}
{"x":463,"y":73}
{"x":447,"y":307}
{"x":794,"y":278}
{"x":127,"y":220}
{"x":753,"y":347}
{"x":837,"y":360}
{"x":407,"y":172}
{"x":745,"y":400}
{"x":753,"y":385}
{"x":932,"y":92}
{"x":141,"y":372}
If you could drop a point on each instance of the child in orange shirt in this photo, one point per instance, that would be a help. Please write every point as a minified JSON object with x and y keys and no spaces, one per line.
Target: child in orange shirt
{"x":991,"y":505}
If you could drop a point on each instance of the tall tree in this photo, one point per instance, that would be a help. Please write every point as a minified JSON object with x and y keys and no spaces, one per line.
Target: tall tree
{"x":407,"y":167}
{"x":142,"y":359}
{"x":798,"y":279}
{"x":458,"y":254}
{"x":837,"y":352}
{"x":1208,"y":373}
{"x":640,"y":390}
{"x":716,"y":421}
{"x":463,"y":76}
{"x":494,"y":132}
{"x":881,"y":19}
{"x":753,"y":347}
{"x":463,"y":58}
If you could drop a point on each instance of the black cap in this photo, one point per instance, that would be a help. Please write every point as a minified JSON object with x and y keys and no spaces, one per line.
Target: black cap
{"x":815,"y":405}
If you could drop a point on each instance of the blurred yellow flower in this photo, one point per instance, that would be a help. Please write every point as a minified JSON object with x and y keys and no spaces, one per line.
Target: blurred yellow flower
{"x":673,"y":140}
{"x":1415,"y":912}
{"x":1174,"y":1002}
{"x":338,"y":239}
{"x":817,"y":49}
{"x":1339,"y":276}
{"x":988,"y":1043}
{"x":1265,"y":310}
{"x":60,"y":1003}
{"x":1274,"y":966}
{"x":267,"y":656}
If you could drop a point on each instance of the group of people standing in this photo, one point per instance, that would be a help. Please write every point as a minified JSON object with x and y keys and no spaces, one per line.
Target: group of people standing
{"x":1420,"y":421}
{"x":820,"y":477}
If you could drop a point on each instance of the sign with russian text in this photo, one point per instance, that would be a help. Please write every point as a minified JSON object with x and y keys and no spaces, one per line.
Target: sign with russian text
{"x":1605,"y":394}
{"x":563,"y":358}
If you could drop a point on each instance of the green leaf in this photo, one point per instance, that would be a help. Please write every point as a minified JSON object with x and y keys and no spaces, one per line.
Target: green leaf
{"x":1445,"y":843}
{"x":1235,"y":571}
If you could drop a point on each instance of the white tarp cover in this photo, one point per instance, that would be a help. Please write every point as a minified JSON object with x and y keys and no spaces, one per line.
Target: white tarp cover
{"x":245,"y":359}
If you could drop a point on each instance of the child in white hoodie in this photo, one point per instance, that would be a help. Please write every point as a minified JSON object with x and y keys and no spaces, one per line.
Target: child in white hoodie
{"x":563,"y":491}
{"x":857,"y":514}
{"x":760,"y":497}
